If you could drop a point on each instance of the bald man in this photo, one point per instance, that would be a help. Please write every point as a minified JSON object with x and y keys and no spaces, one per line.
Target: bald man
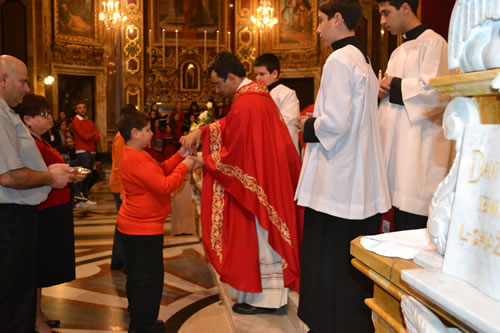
{"x":25,"y":182}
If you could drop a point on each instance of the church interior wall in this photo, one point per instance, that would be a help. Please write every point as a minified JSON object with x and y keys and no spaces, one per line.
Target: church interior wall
{"x":143,"y":67}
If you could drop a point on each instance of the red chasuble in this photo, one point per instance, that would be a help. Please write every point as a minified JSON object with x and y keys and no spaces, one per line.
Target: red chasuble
{"x":251,"y":170}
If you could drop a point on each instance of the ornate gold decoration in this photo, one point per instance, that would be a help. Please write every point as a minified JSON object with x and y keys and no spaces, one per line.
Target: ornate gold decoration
{"x":75,"y":54}
{"x":86,"y":32}
{"x":245,"y":45}
{"x":132,"y":48}
{"x":217,"y":219}
{"x":250,"y":183}
{"x":218,"y":196}
{"x":254,"y":87}
{"x":164,"y":85}
{"x":299,"y":59}
{"x":247,"y":181}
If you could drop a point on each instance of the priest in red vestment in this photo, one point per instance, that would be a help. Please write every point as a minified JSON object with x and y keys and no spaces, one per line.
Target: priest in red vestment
{"x":252,"y":227}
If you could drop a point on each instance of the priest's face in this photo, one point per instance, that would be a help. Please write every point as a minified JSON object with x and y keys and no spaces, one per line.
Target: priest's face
{"x":223,"y":87}
{"x":262,"y":74}
{"x":391,"y":19}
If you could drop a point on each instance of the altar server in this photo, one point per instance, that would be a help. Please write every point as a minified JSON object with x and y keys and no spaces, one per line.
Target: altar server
{"x":267,"y":69}
{"x":343,"y":182}
{"x":417,"y":155}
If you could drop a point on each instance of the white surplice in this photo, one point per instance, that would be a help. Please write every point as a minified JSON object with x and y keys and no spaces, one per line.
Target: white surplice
{"x":288,"y":104}
{"x":343,"y":175}
{"x":417,"y":155}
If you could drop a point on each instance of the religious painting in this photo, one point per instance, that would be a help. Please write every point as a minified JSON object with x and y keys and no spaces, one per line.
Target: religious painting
{"x":73,"y":90}
{"x":75,"y":21}
{"x":296,"y":26}
{"x":191,"y":18}
{"x":190,"y":76}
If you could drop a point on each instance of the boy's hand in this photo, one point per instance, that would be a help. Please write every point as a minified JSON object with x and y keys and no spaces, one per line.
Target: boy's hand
{"x":186,"y":152}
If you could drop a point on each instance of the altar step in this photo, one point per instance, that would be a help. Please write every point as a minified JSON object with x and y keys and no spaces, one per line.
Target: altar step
{"x":284,"y":321}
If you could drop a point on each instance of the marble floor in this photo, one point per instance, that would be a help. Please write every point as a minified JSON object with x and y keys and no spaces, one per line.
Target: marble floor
{"x":96,"y":301}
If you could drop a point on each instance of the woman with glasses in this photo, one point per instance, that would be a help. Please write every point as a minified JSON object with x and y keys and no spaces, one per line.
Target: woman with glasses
{"x":56,"y":249}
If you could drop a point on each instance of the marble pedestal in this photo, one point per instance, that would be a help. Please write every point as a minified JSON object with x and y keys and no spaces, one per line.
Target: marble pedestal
{"x":456,"y":297}
{"x":460,"y":299}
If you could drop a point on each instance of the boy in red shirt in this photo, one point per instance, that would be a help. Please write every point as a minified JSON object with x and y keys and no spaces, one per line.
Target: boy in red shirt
{"x":147,"y":185}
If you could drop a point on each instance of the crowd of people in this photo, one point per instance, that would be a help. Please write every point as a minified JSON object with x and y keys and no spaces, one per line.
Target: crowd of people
{"x":167,"y":130}
{"x":271,"y":220}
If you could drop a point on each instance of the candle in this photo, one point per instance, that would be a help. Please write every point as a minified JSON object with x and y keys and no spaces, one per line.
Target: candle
{"x":150,"y":49}
{"x":229,"y":41}
{"x":176,"y":48}
{"x":163,"y":46}
{"x":380,"y":75}
{"x":205,"y":48}
{"x":217,"y":42}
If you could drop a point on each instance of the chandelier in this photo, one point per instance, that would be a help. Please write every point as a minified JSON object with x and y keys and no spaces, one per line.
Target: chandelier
{"x":110,"y":13}
{"x":265,"y":13}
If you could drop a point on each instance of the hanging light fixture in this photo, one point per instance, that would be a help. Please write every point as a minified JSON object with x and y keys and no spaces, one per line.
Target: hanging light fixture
{"x":110,"y":13}
{"x":265,"y":16}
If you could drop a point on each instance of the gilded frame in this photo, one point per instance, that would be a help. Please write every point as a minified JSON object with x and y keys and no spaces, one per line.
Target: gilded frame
{"x":189,"y":36}
{"x":297,"y":22}
{"x":76,"y":21}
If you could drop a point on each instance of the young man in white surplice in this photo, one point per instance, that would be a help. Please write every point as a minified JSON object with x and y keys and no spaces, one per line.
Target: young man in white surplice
{"x":417,"y":155}
{"x":343,"y":181}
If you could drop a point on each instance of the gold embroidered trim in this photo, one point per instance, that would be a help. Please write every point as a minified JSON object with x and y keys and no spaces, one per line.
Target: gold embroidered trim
{"x":217,"y":219}
{"x":254,"y":87}
{"x":250,"y":183}
{"x":218,"y":193}
{"x":257,"y":87}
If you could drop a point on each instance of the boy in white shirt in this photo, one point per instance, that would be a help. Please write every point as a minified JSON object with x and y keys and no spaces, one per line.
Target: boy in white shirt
{"x":267,"y":69}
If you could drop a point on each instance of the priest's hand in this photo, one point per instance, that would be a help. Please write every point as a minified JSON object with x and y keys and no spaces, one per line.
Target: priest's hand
{"x":198,"y":160}
{"x":385,"y":87}
{"x":192,"y":140}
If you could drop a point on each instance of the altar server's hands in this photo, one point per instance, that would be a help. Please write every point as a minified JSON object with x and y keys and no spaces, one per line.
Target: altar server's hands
{"x":301,"y":120}
{"x":385,"y":87}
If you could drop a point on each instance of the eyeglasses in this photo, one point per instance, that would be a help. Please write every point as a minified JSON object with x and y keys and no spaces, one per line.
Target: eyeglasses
{"x":45,"y":114}
{"x":218,"y":84}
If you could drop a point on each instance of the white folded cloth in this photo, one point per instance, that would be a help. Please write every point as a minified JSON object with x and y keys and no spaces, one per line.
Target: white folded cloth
{"x":402,"y":244}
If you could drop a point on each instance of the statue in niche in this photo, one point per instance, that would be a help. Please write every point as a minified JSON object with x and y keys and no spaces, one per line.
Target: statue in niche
{"x":474,"y":36}
{"x":190,"y":76}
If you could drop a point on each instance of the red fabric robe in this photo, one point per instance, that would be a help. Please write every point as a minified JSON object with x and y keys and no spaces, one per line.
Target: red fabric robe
{"x":251,"y":170}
